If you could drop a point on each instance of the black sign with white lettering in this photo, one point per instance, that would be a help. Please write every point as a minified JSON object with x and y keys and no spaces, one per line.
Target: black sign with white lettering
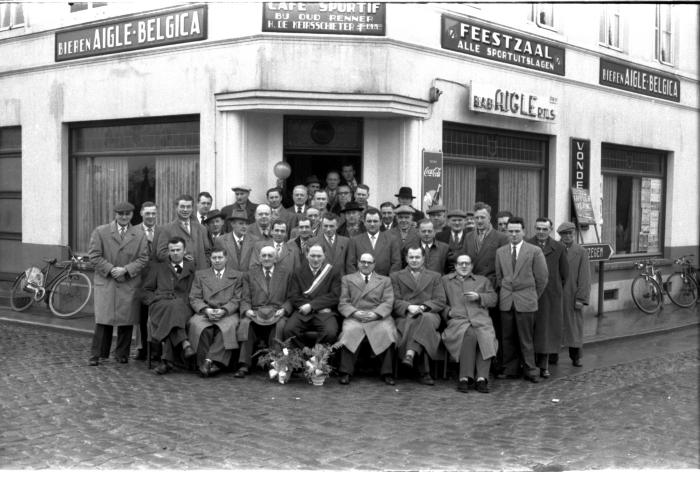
{"x":598,"y":252}
{"x":481,"y":39}
{"x":583,"y":206}
{"x":344,"y":18}
{"x":580,"y":163}
{"x":142,"y":31}
{"x":639,"y":80}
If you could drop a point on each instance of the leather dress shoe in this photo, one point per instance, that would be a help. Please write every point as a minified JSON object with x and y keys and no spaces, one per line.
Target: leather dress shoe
{"x":482,"y":386}
{"x":140,"y":355}
{"x":544,"y":373}
{"x":408,"y":360}
{"x":577,"y":363}
{"x":214,"y":369}
{"x":93,"y":361}
{"x":344,"y":379}
{"x":163,"y":368}
{"x":123,"y":359}
{"x":389,"y":380}
{"x":532,"y":378}
{"x":241,"y":372}
{"x":426,"y":379}
{"x":205,"y":368}
{"x":189,"y":351}
{"x":463,"y":386}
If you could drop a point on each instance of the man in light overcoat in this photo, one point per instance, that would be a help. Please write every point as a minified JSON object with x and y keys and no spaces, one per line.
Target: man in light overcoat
{"x":238,"y":244}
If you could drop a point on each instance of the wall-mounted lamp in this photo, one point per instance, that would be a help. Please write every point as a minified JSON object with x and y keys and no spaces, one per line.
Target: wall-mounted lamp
{"x":434,"y":94}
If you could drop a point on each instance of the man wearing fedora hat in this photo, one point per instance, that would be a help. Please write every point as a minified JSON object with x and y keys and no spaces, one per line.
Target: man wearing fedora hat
{"x":119,"y":252}
{"x":313,"y":184}
{"x":214,"y":222}
{"x":242,"y":203}
{"x":238,"y":244}
{"x":353,"y":220}
{"x":405,"y":198}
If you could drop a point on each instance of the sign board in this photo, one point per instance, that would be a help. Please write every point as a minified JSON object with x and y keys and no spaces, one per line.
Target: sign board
{"x":182,"y":25}
{"x":477,"y":38}
{"x":432,"y":180}
{"x":580,"y":163}
{"x":512,"y":102}
{"x":583,"y":206}
{"x":598,"y":252}
{"x":343,"y":18}
{"x":639,"y":80}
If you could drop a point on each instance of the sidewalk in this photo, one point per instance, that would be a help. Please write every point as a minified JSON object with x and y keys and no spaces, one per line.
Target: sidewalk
{"x":613,"y":325}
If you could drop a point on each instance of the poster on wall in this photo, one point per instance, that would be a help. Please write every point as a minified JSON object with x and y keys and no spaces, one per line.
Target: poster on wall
{"x":340,"y":18}
{"x":431,"y":190}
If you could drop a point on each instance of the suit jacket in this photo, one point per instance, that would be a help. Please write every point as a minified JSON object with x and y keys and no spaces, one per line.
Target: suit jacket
{"x":117,"y":301}
{"x":412,"y":238}
{"x":343,"y":229}
{"x":239,"y":262}
{"x":287,"y":216}
{"x":435,"y":257}
{"x":386,"y":253}
{"x":427,"y":291}
{"x":376,"y":296}
{"x":152,"y":252}
{"x":298,"y":251}
{"x":323,"y":299}
{"x":523,"y":286}
{"x":455,"y":249}
{"x":484,"y":262}
{"x":224,"y":293}
{"x":256,"y":233}
{"x":288,"y":258}
{"x":249,"y":209}
{"x":256,"y":294}
{"x":336,"y":254}
{"x":196,"y":242}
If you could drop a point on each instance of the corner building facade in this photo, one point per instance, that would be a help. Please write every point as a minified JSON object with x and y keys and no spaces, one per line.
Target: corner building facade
{"x":519,"y":103}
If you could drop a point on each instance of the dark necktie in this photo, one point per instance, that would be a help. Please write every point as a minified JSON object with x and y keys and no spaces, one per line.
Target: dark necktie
{"x":202,"y":219}
{"x":515,"y":257}
{"x":299,"y":210}
{"x":366,"y":279}
{"x":178,"y":268}
{"x":479,"y":240}
{"x":268,"y":276}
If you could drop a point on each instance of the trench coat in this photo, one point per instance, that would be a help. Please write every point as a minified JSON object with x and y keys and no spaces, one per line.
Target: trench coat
{"x":550,"y":307}
{"x":577,"y":289}
{"x":166,"y":295}
{"x":467,"y":314}
{"x":224,"y":293}
{"x":376,"y":296}
{"x":427,"y":291}
{"x":256,"y":295}
{"x":117,"y":302}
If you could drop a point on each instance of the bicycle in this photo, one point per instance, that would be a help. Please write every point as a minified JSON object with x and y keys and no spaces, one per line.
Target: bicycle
{"x":68,"y":289}
{"x":649,"y":288}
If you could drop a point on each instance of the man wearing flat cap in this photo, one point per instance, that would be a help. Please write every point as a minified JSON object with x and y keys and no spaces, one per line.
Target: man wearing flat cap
{"x":405,"y":233}
{"x":242,"y":203}
{"x":405,"y":197}
{"x":119,"y":252}
{"x":577,"y":291}
{"x":454,"y":237}
{"x":436,"y":214}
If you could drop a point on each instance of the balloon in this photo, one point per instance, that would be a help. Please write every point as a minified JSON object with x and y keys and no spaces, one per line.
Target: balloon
{"x":282,"y":170}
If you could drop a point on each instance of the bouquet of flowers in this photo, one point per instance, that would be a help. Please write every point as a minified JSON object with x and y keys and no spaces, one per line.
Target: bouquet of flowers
{"x":316,"y":366}
{"x":283,"y":360}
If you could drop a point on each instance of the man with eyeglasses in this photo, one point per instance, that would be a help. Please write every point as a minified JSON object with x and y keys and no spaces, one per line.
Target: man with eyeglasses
{"x":521,"y":276}
{"x":577,"y":292}
{"x":548,"y":319}
{"x":386,"y":252}
{"x":469,"y":336}
{"x":366,"y":301}
{"x":343,"y":196}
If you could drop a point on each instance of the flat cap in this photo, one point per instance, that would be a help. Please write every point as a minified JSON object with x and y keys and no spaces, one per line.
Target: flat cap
{"x":404,"y":210}
{"x":566,"y":226}
{"x":241,"y":188}
{"x":456,"y":213}
{"x":436,"y":209}
{"x":124,"y":207}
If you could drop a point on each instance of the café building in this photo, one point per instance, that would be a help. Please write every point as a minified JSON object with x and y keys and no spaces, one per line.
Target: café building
{"x":512,"y":105}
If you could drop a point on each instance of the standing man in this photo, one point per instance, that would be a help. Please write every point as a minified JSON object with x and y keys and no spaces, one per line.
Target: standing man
{"x":469,"y":337}
{"x":299,"y":246}
{"x":314,"y":293}
{"x":320,"y":201}
{"x":455,"y":237}
{"x":334,"y":245}
{"x":332,"y":183}
{"x":577,"y":292}
{"x":274,"y":200}
{"x":362,"y":197}
{"x":119,"y":252}
{"x":502,"y":220}
{"x":166,"y":291}
{"x":418,"y":300}
{"x":521,"y":275}
{"x":352,"y":226}
{"x":214,"y":222}
{"x":285,"y":257}
{"x":242,"y":203}
{"x":435,"y":252}
{"x":149,"y":214}
{"x":548,"y":319}
{"x":299,"y":196}
{"x":348,"y":173}
{"x":388,"y":216}
{"x":436,"y":214}
{"x":264,"y":307}
{"x":343,"y":197}
{"x":366,"y":301}
{"x":405,"y":198}
{"x":204,"y":203}
{"x":261,"y":230}
{"x":197,"y":245}
{"x":239,"y":246}
{"x":312,"y":185}
{"x":385,"y":251}
{"x":405,"y":234}
{"x":215,"y":298}
{"x":470,"y":223}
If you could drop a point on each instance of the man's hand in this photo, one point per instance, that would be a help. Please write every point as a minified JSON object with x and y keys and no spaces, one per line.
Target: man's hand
{"x":117,"y":272}
{"x":305,"y":309}
{"x":189,"y":257}
{"x":250,"y":314}
{"x":279,"y":313}
{"x":471,"y":296}
{"x":578,"y":305}
{"x":414,"y":309}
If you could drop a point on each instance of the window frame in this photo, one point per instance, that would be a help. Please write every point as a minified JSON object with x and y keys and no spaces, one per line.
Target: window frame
{"x":537,"y":9}
{"x":10,"y":9}
{"x":660,"y":33}
{"x":609,"y":11}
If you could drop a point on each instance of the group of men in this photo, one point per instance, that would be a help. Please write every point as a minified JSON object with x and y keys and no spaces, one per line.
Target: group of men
{"x":213,"y":286}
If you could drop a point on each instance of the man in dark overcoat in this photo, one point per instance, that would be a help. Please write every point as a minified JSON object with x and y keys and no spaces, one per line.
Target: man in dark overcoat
{"x":196,"y":236}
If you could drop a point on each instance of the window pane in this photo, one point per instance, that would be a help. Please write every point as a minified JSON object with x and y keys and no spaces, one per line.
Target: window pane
{"x":18,"y":15}
{"x":78,"y":6}
{"x":137,"y":137}
{"x":5,"y":15}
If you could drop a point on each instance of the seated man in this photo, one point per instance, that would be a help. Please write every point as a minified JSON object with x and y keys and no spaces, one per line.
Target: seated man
{"x":418,"y":300}
{"x":215,"y":297}
{"x":264,"y":306}
{"x":314,"y":292}
{"x":366,"y":300}
{"x":469,"y":337}
{"x":165,"y":293}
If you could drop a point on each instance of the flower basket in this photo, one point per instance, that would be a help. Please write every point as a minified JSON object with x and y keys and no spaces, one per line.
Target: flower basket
{"x":319,"y":380}
{"x":282,"y":360}
{"x":316,"y":365}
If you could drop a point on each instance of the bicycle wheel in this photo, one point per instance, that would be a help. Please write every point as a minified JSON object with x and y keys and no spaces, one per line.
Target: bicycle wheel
{"x":70,"y":294}
{"x":20,"y":299}
{"x":646,"y":294}
{"x":681,"y":289}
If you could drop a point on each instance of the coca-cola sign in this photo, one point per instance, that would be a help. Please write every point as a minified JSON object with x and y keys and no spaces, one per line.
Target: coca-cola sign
{"x":432,"y":180}
{"x":435,"y":172}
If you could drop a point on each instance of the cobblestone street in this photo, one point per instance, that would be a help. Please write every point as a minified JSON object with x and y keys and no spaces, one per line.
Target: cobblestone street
{"x":633,"y":405}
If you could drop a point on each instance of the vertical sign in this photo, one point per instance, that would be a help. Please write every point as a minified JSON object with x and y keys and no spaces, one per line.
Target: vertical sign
{"x":432,"y":180}
{"x":580,"y":163}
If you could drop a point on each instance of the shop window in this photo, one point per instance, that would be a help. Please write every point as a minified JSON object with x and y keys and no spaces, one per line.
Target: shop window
{"x":129,"y":162}
{"x":543,"y":15}
{"x":11,"y":15}
{"x":610,"y":26}
{"x":633,"y":199}
{"x":663,"y":37}
{"x":10,"y":184}
{"x":80,"y":6}
{"x":503,"y":169}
